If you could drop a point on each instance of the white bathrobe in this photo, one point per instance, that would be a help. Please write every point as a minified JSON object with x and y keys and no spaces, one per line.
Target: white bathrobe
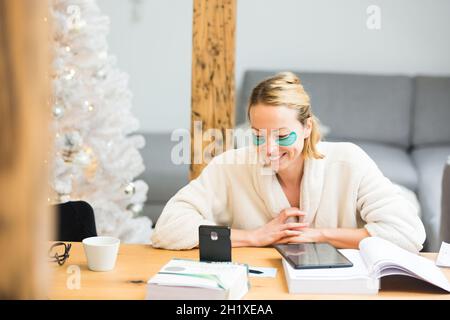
{"x":344,"y":190}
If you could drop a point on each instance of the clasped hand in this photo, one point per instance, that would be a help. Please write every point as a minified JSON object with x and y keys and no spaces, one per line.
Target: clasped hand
{"x":279,"y":230}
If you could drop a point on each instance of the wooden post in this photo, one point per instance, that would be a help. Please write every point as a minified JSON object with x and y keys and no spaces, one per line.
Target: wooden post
{"x":24,"y":141}
{"x":213,"y":91}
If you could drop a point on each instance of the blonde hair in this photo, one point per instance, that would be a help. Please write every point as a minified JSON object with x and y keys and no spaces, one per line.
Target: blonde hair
{"x":285,"y":89}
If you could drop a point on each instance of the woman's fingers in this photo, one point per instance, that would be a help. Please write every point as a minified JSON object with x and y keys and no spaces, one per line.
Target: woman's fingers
{"x":291,"y":212}
{"x":290,"y":239}
{"x":285,"y":240}
{"x":289,"y":233}
{"x":294,"y":225}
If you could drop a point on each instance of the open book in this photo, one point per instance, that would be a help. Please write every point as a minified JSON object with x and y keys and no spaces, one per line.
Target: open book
{"x":375,"y":259}
{"x":183,"y":279}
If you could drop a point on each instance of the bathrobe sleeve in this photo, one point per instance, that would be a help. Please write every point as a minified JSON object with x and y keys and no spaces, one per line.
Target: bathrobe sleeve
{"x":202,"y":202}
{"x":387,"y":212}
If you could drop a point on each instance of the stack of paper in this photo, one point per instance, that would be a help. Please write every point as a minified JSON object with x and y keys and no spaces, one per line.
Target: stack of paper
{"x":194,"y":280}
{"x":351,"y":280}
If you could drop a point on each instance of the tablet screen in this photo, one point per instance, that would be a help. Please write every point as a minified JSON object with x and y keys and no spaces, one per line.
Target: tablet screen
{"x":312,"y":255}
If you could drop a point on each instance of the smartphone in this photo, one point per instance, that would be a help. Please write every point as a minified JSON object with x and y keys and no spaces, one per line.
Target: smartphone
{"x":214,"y":243}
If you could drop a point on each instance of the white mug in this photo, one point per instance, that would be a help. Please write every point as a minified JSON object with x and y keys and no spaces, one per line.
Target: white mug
{"x":101,"y":252}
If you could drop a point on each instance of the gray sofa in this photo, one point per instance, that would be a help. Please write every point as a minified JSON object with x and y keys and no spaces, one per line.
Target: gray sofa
{"x":401,"y":122}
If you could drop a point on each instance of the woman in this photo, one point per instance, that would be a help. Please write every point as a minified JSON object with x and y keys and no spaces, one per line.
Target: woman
{"x":304,"y":191}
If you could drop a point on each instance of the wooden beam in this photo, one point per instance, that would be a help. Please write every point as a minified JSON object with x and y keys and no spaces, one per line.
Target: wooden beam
{"x":213,"y":89}
{"x":24,"y":144}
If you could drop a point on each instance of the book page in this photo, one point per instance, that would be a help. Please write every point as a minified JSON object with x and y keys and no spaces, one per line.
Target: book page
{"x":385,"y":258}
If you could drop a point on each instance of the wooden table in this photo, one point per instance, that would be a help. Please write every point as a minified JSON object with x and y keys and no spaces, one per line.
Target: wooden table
{"x":137,"y":263}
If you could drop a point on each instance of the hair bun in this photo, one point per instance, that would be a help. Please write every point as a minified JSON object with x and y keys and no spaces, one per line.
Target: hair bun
{"x":289,"y":77}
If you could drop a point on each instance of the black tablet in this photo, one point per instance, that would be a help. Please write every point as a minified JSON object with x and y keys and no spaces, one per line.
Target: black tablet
{"x":313,"y":256}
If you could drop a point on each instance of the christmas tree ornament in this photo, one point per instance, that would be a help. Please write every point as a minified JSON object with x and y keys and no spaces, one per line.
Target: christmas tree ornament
{"x":130,"y":189}
{"x":58,"y":111}
{"x":81,"y":159}
{"x":135,"y":208}
{"x":67,"y":156}
{"x":74,"y":21}
{"x":73,"y":140}
{"x":87,"y":106}
{"x":101,"y":74}
{"x":69,"y":73}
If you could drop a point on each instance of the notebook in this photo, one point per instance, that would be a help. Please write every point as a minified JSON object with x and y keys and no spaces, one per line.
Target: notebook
{"x":375,"y":258}
{"x":183,"y":279}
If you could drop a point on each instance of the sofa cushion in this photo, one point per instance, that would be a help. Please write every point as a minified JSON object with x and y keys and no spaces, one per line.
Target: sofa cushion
{"x":394,"y":162}
{"x":430,"y":162}
{"x":153,"y":210}
{"x":163,"y":177}
{"x":431,"y":124}
{"x":355,"y":107}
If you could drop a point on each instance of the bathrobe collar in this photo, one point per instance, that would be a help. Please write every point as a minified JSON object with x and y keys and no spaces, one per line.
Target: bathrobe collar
{"x":311,"y":188}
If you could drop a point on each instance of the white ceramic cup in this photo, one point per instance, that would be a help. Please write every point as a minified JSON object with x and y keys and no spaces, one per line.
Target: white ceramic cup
{"x":101,"y":252}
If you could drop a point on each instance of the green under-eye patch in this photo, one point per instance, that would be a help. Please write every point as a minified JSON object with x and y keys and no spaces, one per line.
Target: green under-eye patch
{"x":284,"y":141}
{"x":258,"y":140}
{"x":288,"y":140}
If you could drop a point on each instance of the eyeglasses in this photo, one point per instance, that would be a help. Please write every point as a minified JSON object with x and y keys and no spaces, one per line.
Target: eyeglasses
{"x":59,"y":252}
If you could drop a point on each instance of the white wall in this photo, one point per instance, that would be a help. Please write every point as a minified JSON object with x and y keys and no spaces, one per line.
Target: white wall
{"x":156,"y":52}
{"x":330,"y":35}
{"x":310,"y":35}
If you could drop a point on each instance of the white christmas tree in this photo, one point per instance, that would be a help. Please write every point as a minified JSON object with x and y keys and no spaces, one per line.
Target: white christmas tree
{"x":96,"y":157}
